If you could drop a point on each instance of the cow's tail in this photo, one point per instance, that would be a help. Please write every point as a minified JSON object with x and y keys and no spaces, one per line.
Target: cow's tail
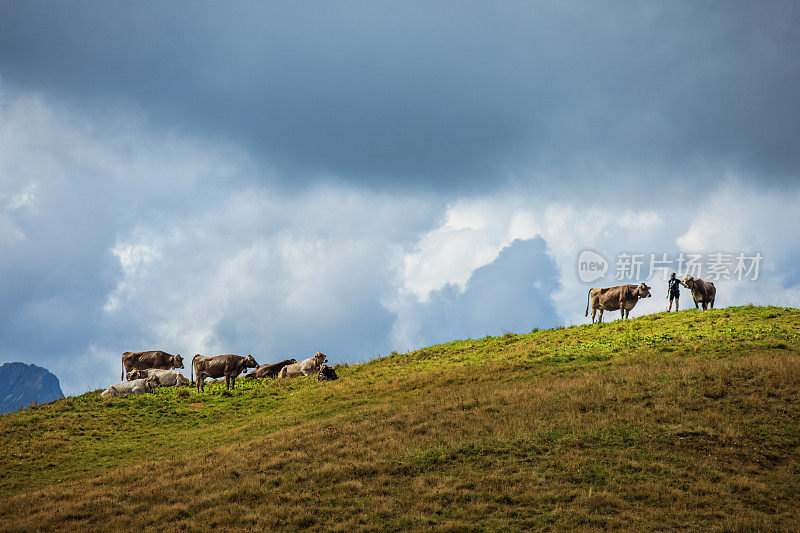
{"x":588,"y":297}
{"x":191,"y":370}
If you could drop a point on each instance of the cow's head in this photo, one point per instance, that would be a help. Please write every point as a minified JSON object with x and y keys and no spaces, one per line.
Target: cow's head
{"x":643,"y":291}
{"x":135,"y":374}
{"x":249,"y":362}
{"x":688,"y":282}
{"x":151,"y":384}
{"x":321,"y":358}
{"x":177,"y":361}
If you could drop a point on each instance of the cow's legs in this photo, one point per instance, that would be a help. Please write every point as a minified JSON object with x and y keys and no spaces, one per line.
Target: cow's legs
{"x":600,"y":319}
{"x":705,"y":306}
{"x":695,"y":305}
{"x":712,"y":304}
{"x":594,"y":312}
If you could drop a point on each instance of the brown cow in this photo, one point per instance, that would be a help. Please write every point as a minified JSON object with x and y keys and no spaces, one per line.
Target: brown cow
{"x":269,"y":371}
{"x":703,"y":292}
{"x":622,"y":297}
{"x":217,"y":366}
{"x":152,"y":359}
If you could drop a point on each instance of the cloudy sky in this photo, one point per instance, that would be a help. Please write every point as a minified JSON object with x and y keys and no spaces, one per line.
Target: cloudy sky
{"x":361,"y":177}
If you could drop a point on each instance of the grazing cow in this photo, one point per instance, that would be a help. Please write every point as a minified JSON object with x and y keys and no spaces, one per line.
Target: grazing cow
{"x":165,"y":378}
{"x":622,"y":297}
{"x":703,"y":292}
{"x":303,"y":368}
{"x":153,"y":359}
{"x":217,"y":366}
{"x":326,"y":373}
{"x":130,"y":388}
{"x":269,"y":371}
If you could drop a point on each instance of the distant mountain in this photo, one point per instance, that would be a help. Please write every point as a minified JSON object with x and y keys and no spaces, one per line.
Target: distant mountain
{"x":23,"y":385}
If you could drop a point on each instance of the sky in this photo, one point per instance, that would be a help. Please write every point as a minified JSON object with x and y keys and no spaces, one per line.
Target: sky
{"x":362,"y":177}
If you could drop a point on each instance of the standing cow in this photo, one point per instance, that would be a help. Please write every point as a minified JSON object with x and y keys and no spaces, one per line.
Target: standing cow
{"x":304,"y":368}
{"x":622,"y":297}
{"x":217,"y":366}
{"x":703,"y":292}
{"x":152,"y":359}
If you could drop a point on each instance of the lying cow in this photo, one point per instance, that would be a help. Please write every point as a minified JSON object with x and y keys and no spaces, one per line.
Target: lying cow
{"x":622,"y":297}
{"x":217,"y":366}
{"x":152,"y":359}
{"x":703,"y":292}
{"x":269,"y":371}
{"x":326,"y":373}
{"x":303,"y":368}
{"x":130,"y":388}
{"x":165,"y":378}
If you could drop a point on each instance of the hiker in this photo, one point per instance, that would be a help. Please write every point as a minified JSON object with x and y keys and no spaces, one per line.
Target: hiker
{"x":673,"y":291}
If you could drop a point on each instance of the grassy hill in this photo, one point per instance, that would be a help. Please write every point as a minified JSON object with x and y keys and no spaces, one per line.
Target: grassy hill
{"x":688,"y":420}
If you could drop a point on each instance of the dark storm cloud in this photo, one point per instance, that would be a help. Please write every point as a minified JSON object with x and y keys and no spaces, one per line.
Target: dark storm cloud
{"x":450,"y":95}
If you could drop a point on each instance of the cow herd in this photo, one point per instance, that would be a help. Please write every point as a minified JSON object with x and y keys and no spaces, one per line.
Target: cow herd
{"x":623,"y":298}
{"x":146,"y":371}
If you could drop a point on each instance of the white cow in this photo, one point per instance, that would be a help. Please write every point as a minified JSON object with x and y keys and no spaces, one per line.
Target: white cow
{"x":166,"y":378}
{"x":130,"y":388}
{"x":303,"y":368}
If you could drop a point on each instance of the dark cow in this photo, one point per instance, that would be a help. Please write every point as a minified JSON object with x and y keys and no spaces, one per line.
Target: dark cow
{"x":622,"y":297}
{"x":703,"y":292}
{"x":217,"y":366}
{"x":269,"y":371}
{"x":153,"y":359}
{"x":326,"y":373}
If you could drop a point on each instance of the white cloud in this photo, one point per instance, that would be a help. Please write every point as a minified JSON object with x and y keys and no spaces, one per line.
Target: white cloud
{"x":643,"y":219}
{"x":11,"y":204}
{"x":268,"y":274}
{"x":472,"y":235}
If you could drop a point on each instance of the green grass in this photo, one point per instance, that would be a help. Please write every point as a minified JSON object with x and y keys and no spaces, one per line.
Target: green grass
{"x":670,"y":421}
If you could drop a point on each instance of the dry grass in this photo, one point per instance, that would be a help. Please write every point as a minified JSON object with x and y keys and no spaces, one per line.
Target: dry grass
{"x":692,"y":440}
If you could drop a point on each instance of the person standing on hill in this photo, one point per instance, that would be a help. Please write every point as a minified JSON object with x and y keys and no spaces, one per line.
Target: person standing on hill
{"x":673,"y":291}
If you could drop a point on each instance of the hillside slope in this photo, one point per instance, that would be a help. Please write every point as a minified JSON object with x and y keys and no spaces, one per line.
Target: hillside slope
{"x":688,"y":420}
